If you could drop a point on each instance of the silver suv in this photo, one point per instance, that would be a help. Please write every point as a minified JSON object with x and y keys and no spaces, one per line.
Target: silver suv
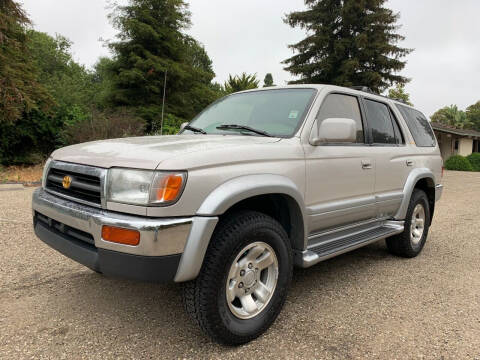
{"x":258,"y":182}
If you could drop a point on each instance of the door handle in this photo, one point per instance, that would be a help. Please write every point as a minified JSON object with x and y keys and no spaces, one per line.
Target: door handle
{"x":366,"y":164}
{"x":409,"y":162}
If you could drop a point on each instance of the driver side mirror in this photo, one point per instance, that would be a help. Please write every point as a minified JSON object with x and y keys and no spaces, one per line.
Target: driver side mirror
{"x":334,"y":130}
{"x":183,"y":126}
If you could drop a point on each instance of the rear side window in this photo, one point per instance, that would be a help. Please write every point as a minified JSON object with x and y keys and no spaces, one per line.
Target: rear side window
{"x":418,"y":125}
{"x":342,"y":106}
{"x":380,"y":123}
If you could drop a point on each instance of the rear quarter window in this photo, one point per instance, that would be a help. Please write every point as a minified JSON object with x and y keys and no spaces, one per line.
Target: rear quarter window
{"x":418,"y":125}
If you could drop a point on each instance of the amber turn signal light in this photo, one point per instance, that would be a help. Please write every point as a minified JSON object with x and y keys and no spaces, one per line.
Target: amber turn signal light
{"x":120,"y":235}
{"x":169,"y":188}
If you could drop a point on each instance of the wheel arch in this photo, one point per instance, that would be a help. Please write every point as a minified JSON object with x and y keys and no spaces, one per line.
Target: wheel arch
{"x":422,"y":179}
{"x":274,"y":195}
{"x":237,"y":193}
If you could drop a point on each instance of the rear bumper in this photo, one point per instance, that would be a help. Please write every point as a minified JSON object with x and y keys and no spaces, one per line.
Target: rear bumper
{"x":438,"y":191}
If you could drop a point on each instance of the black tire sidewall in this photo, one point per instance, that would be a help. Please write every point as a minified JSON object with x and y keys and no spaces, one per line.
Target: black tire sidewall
{"x":419,"y":197}
{"x":272,"y":234}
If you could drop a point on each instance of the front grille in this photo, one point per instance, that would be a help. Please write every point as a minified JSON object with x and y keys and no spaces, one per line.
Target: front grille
{"x":84,"y":187}
{"x":65,"y":230}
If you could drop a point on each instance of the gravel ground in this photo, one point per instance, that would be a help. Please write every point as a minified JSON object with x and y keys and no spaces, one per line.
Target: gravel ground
{"x":365,"y":304}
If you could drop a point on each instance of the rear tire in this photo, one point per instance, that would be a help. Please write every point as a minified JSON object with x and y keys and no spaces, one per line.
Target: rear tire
{"x":417,"y":222}
{"x":243,"y":283}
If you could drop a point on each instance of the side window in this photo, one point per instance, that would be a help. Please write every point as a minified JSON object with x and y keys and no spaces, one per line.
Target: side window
{"x":419,"y":126}
{"x":342,"y":106}
{"x":380,"y":122}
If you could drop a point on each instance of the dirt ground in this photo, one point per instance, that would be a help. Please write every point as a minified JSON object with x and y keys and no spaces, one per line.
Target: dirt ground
{"x":364,"y":304}
{"x":21,"y":174}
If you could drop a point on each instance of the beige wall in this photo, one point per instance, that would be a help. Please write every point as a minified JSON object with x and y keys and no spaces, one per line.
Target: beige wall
{"x":465,"y":146}
{"x":445,"y":143}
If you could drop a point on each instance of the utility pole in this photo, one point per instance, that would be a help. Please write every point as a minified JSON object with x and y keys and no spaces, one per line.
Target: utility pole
{"x":163,"y":102}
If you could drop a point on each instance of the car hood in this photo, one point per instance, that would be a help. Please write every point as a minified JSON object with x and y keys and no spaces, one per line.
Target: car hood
{"x":148,"y":152}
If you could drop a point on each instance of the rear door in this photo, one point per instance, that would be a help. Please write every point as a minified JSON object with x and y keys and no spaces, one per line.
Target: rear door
{"x":392,"y":156}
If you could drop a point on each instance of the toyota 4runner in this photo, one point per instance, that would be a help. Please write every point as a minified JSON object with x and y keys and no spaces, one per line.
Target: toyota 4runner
{"x":258,"y":182}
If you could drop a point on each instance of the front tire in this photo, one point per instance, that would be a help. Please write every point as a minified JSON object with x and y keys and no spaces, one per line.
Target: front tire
{"x":412,"y":240}
{"x":244,"y":279}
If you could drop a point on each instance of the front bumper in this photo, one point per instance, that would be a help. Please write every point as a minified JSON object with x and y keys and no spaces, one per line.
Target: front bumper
{"x":75,"y":230}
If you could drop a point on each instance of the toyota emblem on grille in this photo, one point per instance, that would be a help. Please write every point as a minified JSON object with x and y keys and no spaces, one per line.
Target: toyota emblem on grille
{"x":67,"y":181}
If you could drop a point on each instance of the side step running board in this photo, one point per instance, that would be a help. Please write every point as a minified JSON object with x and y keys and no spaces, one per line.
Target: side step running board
{"x":324,"y":250}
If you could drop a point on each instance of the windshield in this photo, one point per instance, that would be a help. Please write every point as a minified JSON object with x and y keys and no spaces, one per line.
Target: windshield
{"x":276,"y":112}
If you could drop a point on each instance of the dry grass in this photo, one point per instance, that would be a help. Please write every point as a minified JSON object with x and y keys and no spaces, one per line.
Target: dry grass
{"x":21,"y":174}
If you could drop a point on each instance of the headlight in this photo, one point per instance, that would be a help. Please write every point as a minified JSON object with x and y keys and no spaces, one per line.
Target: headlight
{"x":144,"y":187}
{"x":45,"y":172}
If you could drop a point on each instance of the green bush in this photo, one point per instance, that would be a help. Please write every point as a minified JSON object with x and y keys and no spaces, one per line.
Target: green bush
{"x":171,"y":125}
{"x":474,"y":160}
{"x":101,"y":125}
{"x":458,"y":162}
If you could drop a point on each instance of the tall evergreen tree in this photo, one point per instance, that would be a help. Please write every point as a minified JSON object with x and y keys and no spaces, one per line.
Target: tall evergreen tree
{"x":349,"y":42}
{"x":268,"y":81}
{"x":19,"y":89}
{"x":152,"y":45}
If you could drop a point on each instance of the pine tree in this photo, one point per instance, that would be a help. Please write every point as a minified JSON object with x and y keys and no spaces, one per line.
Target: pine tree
{"x":151,"y":46}
{"x":268,"y":81}
{"x":349,"y":42}
{"x":20,"y":91}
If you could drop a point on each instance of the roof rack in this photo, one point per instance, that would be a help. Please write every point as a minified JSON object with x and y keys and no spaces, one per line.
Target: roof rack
{"x":370,"y":91}
{"x":363,"y":88}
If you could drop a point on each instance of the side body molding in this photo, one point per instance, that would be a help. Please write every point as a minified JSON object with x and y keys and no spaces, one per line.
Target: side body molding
{"x":413,"y":178}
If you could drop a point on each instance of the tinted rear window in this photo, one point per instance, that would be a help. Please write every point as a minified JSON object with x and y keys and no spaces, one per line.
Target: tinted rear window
{"x":418,"y":125}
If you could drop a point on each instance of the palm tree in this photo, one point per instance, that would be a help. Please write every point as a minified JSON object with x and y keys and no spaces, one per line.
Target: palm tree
{"x":451,"y":115}
{"x":240,"y":83}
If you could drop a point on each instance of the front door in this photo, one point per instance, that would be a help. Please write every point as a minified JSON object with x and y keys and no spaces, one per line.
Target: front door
{"x":339,"y":177}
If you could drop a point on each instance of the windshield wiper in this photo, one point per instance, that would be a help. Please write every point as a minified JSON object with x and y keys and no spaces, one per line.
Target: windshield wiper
{"x":194,"y":129}
{"x":243,"y":127}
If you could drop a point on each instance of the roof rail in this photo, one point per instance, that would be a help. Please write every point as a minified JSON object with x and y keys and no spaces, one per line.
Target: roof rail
{"x":400,"y":100}
{"x":362,"y":88}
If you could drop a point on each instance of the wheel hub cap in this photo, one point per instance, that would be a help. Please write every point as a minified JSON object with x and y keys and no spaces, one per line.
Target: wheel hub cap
{"x":252,"y":280}
{"x":249,"y":278}
{"x":417,"y":224}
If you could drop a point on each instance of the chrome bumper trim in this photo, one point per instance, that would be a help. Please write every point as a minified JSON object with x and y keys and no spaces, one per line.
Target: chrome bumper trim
{"x":438,"y":191}
{"x":158,"y":237}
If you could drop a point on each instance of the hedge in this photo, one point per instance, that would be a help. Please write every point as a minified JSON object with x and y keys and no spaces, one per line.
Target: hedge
{"x":474,"y":160}
{"x":458,"y":162}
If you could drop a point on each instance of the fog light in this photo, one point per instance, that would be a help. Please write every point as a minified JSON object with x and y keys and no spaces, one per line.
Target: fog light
{"x":120,"y":235}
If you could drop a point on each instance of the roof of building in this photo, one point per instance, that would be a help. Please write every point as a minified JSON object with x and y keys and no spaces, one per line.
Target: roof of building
{"x":452,"y":130}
